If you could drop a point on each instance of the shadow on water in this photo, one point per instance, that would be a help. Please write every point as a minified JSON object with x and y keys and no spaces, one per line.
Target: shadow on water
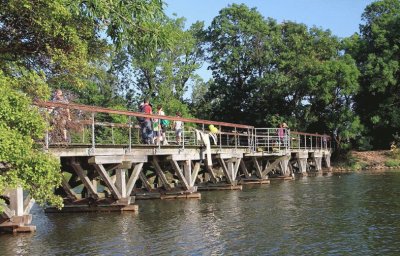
{"x":347,"y":214}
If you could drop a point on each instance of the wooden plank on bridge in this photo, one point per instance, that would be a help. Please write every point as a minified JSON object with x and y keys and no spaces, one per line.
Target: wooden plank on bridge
{"x":28,"y":204}
{"x":160,"y":173}
{"x":272,"y":166}
{"x":67,"y":188}
{"x":144,"y":180}
{"x":7,"y":213}
{"x":225,"y":170}
{"x":107,"y":179}
{"x":133,"y":178}
{"x":118,"y":159}
{"x":244,"y":169}
{"x":257,"y":166}
{"x":85,"y":179}
{"x":180,"y":174}
{"x":196,"y":170}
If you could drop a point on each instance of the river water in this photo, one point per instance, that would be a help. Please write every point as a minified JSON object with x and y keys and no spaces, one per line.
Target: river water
{"x":350,"y":214}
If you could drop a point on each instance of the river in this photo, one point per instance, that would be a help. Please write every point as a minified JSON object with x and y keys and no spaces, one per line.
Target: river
{"x":349,"y":214}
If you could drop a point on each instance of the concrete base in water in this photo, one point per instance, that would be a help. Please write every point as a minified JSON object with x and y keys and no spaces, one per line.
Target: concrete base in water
{"x":210,"y":186}
{"x":96,"y":208}
{"x":156,"y":195}
{"x":282,"y":178}
{"x":254,"y":181}
{"x":17,"y":224}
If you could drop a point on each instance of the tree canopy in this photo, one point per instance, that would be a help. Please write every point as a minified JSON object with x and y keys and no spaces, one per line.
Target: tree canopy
{"x":377,"y":52}
{"x":56,"y":44}
{"x":265,"y":73}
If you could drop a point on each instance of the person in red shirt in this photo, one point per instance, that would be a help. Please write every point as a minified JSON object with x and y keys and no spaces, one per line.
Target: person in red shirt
{"x":147,"y":126}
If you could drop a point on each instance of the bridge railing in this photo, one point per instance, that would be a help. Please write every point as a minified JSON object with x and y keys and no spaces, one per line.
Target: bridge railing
{"x":272,"y":140}
{"x":310,"y":141}
{"x":95,"y":126}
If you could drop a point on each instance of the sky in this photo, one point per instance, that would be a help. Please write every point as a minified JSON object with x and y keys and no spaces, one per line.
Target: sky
{"x":342,"y":17}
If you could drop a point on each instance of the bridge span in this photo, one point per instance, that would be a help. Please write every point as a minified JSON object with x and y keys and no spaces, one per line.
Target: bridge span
{"x":106,"y":168}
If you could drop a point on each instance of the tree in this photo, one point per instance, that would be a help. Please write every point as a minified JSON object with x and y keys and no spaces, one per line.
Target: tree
{"x":240,"y":54}
{"x":21,"y":126}
{"x":163,"y":73}
{"x":47,"y":44}
{"x":265,"y":73}
{"x":377,"y":52}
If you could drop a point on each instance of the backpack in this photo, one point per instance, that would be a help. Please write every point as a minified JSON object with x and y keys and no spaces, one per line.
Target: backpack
{"x":164,"y":122}
{"x":141,"y":110}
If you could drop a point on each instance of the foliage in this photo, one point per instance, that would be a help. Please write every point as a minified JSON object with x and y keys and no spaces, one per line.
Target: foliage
{"x":59,"y":44}
{"x":392,"y":163}
{"x":377,"y":52}
{"x":348,"y":161}
{"x":265,"y":73}
{"x":19,"y":129}
{"x":164,"y":73}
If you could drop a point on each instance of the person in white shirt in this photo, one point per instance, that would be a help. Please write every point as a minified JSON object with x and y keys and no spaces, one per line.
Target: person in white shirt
{"x":178,"y":125}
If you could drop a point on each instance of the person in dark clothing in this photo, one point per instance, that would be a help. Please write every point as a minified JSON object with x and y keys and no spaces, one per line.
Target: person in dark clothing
{"x":146,"y":125}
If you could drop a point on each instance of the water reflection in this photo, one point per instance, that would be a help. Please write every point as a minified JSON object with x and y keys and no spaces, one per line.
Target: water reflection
{"x":337,"y":215}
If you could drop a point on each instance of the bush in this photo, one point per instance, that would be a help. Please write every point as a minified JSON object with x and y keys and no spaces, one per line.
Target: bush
{"x":392,"y":163}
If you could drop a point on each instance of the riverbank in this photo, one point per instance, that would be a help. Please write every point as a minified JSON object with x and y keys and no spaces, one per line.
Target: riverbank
{"x":368,"y":160}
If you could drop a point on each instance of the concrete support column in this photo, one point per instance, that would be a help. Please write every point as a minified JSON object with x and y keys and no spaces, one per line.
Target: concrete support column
{"x":284,"y":165}
{"x":187,"y":170}
{"x":231,"y":171}
{"x":327,"y":158}
{"x":120,"y":182}
{"x":302,"y":157}
{"x":317,"y":158}
{"x":17,"y":201}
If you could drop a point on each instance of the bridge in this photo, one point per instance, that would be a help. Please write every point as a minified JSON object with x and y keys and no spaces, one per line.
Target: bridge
{"x":106,"y":168}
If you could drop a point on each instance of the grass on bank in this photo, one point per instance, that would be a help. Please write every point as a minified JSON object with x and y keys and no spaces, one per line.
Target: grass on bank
{"x":394,"y":158}
{"x":354,"y":162}
{"x":349,"y":162}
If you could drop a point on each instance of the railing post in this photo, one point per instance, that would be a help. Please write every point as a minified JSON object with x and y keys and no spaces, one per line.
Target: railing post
{"x":183,"y":136}
{"x":235,"y":138}
{"x":255,"y":145}
{"x":248,"y":138}
{"x":112,"y":134}
{"x":130,"y":133}
{"x":46,"y":137}
{"x":220,"y":138}
{"x":83,"y":133}
{"x":322,"y":142}
{"x":159,"y":134}
{"x":93,"y":138}
{"x":305,"y":141}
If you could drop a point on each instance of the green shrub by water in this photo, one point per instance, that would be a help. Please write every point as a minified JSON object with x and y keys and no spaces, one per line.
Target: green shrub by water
{"x":392,"y":163}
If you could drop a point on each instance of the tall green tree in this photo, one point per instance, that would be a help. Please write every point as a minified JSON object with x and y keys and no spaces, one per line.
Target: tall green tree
{"x":240,"y":54}
{"x":265,"y":73}
{"x":377,"y":52}
{"x":47,"y":44}
{"x":163,"y":73}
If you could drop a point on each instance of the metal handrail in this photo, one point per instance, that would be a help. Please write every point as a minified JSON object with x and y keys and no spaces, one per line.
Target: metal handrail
{"x":255,"y":139}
